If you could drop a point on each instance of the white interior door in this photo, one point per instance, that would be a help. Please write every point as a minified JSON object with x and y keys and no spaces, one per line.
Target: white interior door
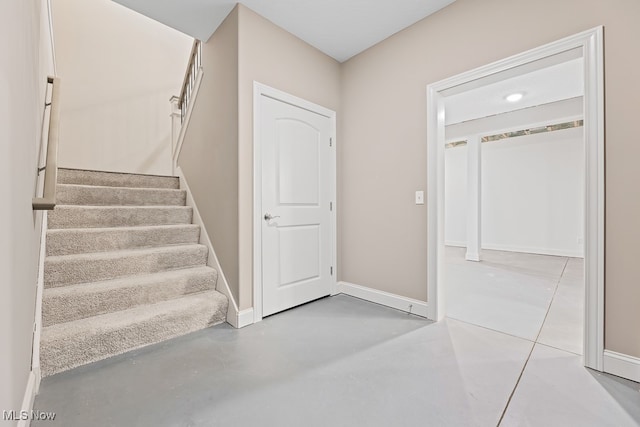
{"x":296,"y":216}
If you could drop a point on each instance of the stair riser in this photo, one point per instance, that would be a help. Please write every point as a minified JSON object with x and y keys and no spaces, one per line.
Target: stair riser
{"x":80,"y":177}
{"x":78,"y":347}
{"x":123,"y":269}
{"x":61,"y":305}
{"x":111,"y":196}
{"x":95,"y":217}
{"x":69,"y":242}
{"x":60,"y":271}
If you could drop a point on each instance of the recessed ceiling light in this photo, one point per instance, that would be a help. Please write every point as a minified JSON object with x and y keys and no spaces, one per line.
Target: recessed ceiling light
{"x":514,"y":97}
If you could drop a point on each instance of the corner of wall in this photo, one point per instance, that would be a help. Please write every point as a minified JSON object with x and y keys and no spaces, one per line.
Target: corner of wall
{"x":272,"y":56}
{"x":222,"y":285}
{"x":208,"y":151}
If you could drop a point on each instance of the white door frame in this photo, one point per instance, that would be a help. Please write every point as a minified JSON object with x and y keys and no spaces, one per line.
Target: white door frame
{"x":260,"y":90}
{"x":591,"y":43}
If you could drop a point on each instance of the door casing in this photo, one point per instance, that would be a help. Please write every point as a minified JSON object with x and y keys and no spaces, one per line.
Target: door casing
{"x":591,"y":43}
{"x":260,"y":90}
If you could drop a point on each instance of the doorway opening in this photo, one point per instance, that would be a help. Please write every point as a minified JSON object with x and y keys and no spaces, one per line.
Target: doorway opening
{"x":553,"y":125}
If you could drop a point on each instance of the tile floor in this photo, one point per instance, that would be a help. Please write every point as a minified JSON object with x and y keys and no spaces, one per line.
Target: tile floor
{"x":342,"y":361}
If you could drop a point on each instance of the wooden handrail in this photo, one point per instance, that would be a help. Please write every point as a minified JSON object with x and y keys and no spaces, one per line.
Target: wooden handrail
{"x":48,"y":200}
{"x":189,"y":75}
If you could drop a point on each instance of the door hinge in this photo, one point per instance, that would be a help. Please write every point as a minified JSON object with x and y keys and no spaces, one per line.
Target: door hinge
{"x":330,"y":142}
{"x":331,"y":206}
{"x":331,"y":270}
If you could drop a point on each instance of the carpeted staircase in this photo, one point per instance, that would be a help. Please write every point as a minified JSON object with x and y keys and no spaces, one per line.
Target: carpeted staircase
{"x":123,"y":269}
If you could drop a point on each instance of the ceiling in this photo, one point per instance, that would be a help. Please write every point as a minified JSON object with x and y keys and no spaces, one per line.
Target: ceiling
{"x":541,"y":86}
{"x":339,"y":28}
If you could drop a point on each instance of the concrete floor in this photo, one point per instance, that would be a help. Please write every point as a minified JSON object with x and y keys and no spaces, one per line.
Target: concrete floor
{"x":341,"y":361}
{"x":536,"y":297}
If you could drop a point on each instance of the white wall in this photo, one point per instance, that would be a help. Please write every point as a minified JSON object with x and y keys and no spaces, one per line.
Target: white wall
{"x":532,"y":194}
{"x":455,"y":200}
{"x":119,"y":70}
{"x":24,"y":64}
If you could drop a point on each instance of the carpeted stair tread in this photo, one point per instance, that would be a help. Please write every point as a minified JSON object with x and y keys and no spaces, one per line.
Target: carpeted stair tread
{"x":71,"y":344}
{"x":91,"y":195}
{"x":73,"y":302}
{"x":83,"y":268}
{"x":116,"y":179}
{"x":123,"y":268}
{"x":67,"y":216}
{"x":89,"y":240}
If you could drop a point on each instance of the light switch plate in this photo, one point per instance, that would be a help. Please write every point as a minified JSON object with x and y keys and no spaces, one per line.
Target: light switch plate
{"x":419,"y":197}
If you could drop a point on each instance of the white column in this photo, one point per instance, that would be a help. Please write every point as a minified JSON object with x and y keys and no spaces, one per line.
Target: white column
{"x":176,"y":124}
{"x":474,"y":198}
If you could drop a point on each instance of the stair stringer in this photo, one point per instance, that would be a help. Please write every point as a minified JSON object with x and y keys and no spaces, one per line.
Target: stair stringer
{"x":38,"y":323}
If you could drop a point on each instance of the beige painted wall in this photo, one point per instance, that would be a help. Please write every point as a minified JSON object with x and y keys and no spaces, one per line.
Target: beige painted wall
{"x":25,"y":62}
{"x":383,"y":135}
{"x":217,"y":155}
{"x":209,"y":156}
{"x":272,"y":56}
{"x":120,"y":68}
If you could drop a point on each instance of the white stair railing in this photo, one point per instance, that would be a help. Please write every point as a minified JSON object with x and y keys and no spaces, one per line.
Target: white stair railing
{"x":195,"y":61}
{"x":182,"y":105}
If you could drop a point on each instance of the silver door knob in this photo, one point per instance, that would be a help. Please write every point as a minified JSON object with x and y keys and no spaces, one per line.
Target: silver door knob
{"x":268,"y":216}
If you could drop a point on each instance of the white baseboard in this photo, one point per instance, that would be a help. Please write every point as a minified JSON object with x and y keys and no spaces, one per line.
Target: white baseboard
{"x":29,"y":398}
{"x":241,"y":319}
{"x":528,"y":250}
{"x":521,"y":249}
{"x":472,"y":256}
{"x":398,"y":302}
{"x":38,"y":374}
{"x":245,"y":318}
{"x":622,"y":365}
{"x":37,"y":330}
{"x":222,"y":285}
